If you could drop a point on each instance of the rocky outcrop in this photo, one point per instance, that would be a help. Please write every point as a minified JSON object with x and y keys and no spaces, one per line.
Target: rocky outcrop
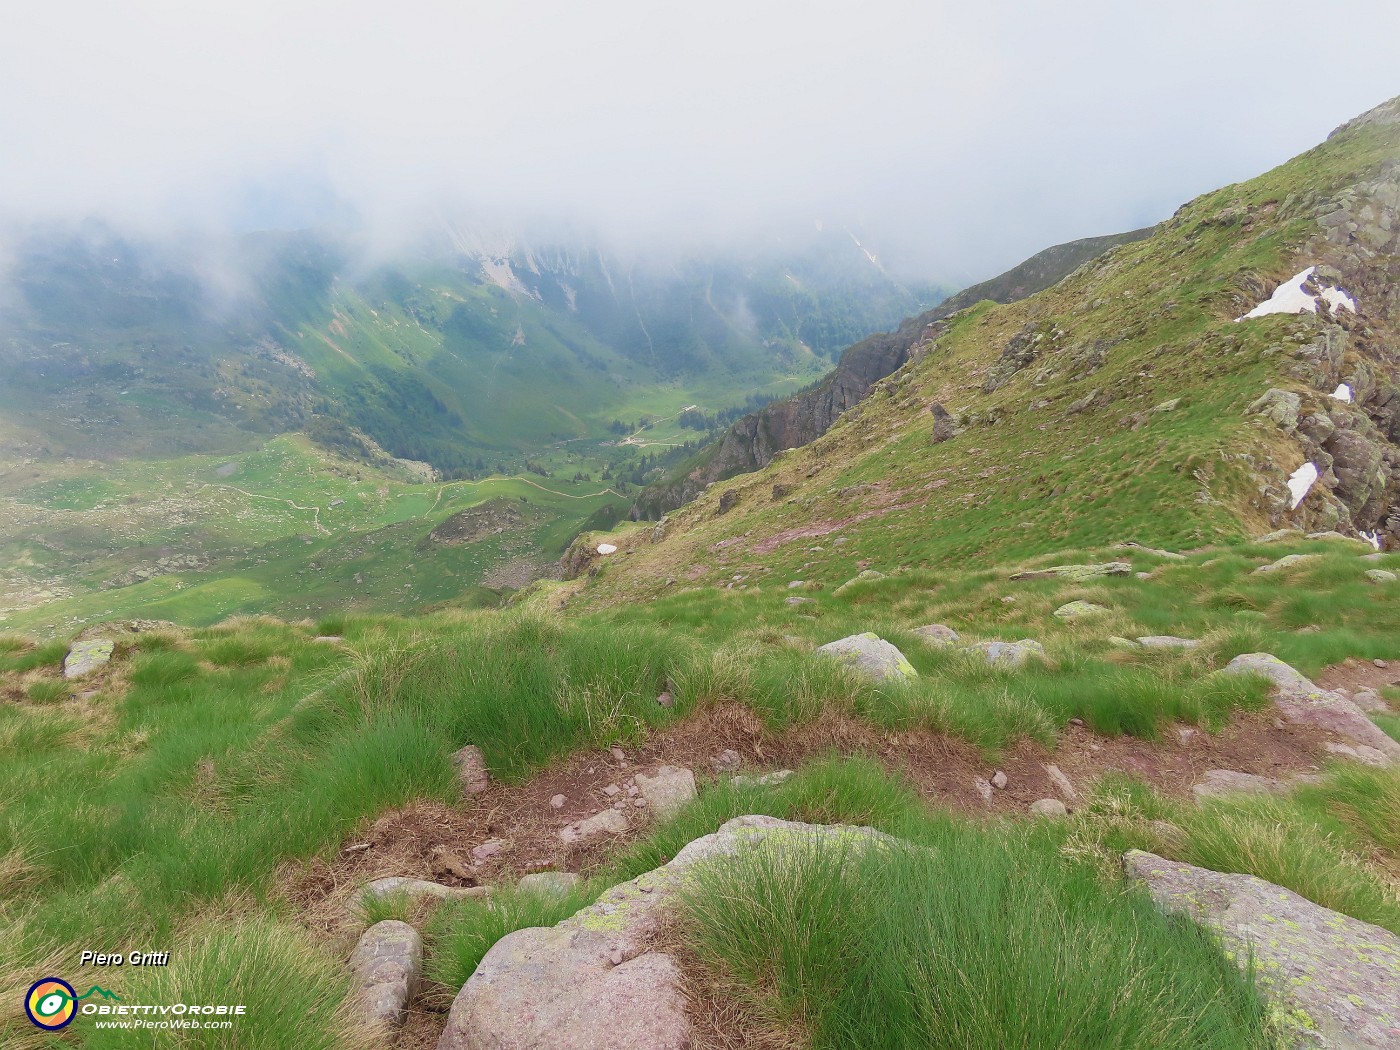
{"x":751,"y":443}
{"x":1300,"y":701}
{"x":1076,"y":573}
{"x":1336,"y":979}
{"x":596,"y":980}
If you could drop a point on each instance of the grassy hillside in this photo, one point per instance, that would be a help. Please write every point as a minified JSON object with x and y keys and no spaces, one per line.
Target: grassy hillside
{"x":1113,"y":406}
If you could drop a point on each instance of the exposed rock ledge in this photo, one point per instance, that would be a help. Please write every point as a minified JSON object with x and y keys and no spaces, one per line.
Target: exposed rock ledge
{"x":593,"y":980}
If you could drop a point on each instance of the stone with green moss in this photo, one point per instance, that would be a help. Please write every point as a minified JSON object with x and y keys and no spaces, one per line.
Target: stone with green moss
{"x":1334,"y":980}
{"x":872,"y":656}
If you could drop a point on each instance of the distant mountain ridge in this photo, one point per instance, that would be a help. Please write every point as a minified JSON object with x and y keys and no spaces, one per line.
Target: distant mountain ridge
{"x":752,"y":442}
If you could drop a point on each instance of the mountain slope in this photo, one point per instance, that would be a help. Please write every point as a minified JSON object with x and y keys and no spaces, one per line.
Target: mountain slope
{"x":753,"y":441}
{"x":1125,"y":403}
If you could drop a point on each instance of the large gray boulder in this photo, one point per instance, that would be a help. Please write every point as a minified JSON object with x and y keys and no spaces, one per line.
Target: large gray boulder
{"x":1336,"y":979}
{"x":1300,"y":701}
{"x":385,"y":965}
{"x":595,"y":980}
{"x":87,"y":656}
{"x":872,"y":656}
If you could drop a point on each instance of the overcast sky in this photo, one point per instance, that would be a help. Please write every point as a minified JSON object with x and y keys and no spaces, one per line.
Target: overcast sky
{"x":964,"y":136}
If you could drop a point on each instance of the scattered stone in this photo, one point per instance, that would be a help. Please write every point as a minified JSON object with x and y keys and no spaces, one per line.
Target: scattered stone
{"x":329,"y":639}
{"x":549,"y":882}
{"x":87,"y":656}
{"x":1336,"y":979}
{"x":800,"y":601}
{"x":1049,"y":807}
{"x":1300,"y":701}
{"x":1381,"y":576}
{"x":666,"y":699}
{"x":937,"y":634}
{"x":871,"y":655}
{"x":612,"y":790}
{"x":608,"y":822}
{"x":1373,"y":556}
{"x":1061,"y":782}
{"x":865,"y":576}
{"x":416,"y":888}
{"x":1288,"y":561}
{"x":1008,"y":654}
{"x":471,"y":770}
{"x":488,"y":849}
{"x":1167,"y":641}
{"x":1186,"y":735}
{"x":984,"y":788}
{"x":1167,"y":406}
{"x":794,"y":584}
{"x":359,"y":847}
{"x":944,"y":426}
{"x":1381,"y":664}
{"x":1333,"y":534}
{"x":557,"y":802}
{"x":1122,"y":643}
{"x":1142,"y":575}
{"x":1280,"y":534}
{"x":998,"y":779}
{"x":637,"y":803}
{"x":766,"y":780}
{"x":668,"y":790}
{"x":385,"y":964}
{"x":619,"y":756}
{"x":559,"y":987}
{"x":1079,"y":609}
{"x":1220,"y":782}
{"x":727,"y":761}
{"x":1076,"y":572}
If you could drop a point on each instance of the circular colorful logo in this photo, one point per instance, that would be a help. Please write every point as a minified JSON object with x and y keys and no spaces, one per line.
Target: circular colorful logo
{"x":51,"y":1003}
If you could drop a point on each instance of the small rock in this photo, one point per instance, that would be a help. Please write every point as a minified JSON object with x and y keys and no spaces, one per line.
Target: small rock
{"x":639,"y":803}
{"x":871,"y":655}
{"x":1121,"y":643}
{"x":608,"y":822}
{"x":1281,"y":534}
{"x":998,"y":779}
{"x":1220,"y":782}
{"x":1061,"y":782}
{"x":984,"y":788}
{"x":668,"y":790}
{"x":417,"y":888}
{"x":611,"y":790}
{"x":556,"y":883}
{"x":1369,"y":755}
{"x":1381,"y":576}
{"x":1049,"y":807}
{"x":1288,"y":561}
{"x":1167,"y":641}
{"x":666,"y":699}
{"x":87,"y":656}
{"x":1369,"y":700}
{"x":620,"y":804}
{"x":1076,"y":572}
{"x":1076,"y":722}
{"x":329,"y":639}
{"x":937,"y":634}
{"x":557,"y":802}
{"x":471,"y":770}
{"x":617,"y":754}
{"x":800,"y":601}
{"x":487,"y":850}
{"x":727,"y":761}
{"x":1008,"y":654}
{"x":1381,"y":664}
{"x":386,"y":963}
{"x":1079,"y":609}
{"x":866,"y":576}
{"x":1186,"y":735}
{"x":794,"y":584}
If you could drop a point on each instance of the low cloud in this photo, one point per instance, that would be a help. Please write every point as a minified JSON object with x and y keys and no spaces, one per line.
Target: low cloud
{"x":960,"y":138}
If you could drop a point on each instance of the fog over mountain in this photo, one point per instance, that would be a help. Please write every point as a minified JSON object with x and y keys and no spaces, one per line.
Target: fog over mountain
{"x":960,"y":137}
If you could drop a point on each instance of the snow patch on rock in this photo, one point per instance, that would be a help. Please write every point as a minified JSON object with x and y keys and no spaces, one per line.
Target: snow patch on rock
{"x":1342,"y":393}
{"x":608,"y":548}
{"x":1300,"y":482}
{"x":1291,"y":298}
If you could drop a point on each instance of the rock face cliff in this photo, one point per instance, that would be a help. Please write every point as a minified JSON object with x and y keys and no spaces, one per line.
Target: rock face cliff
{"x":752,"y":442}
